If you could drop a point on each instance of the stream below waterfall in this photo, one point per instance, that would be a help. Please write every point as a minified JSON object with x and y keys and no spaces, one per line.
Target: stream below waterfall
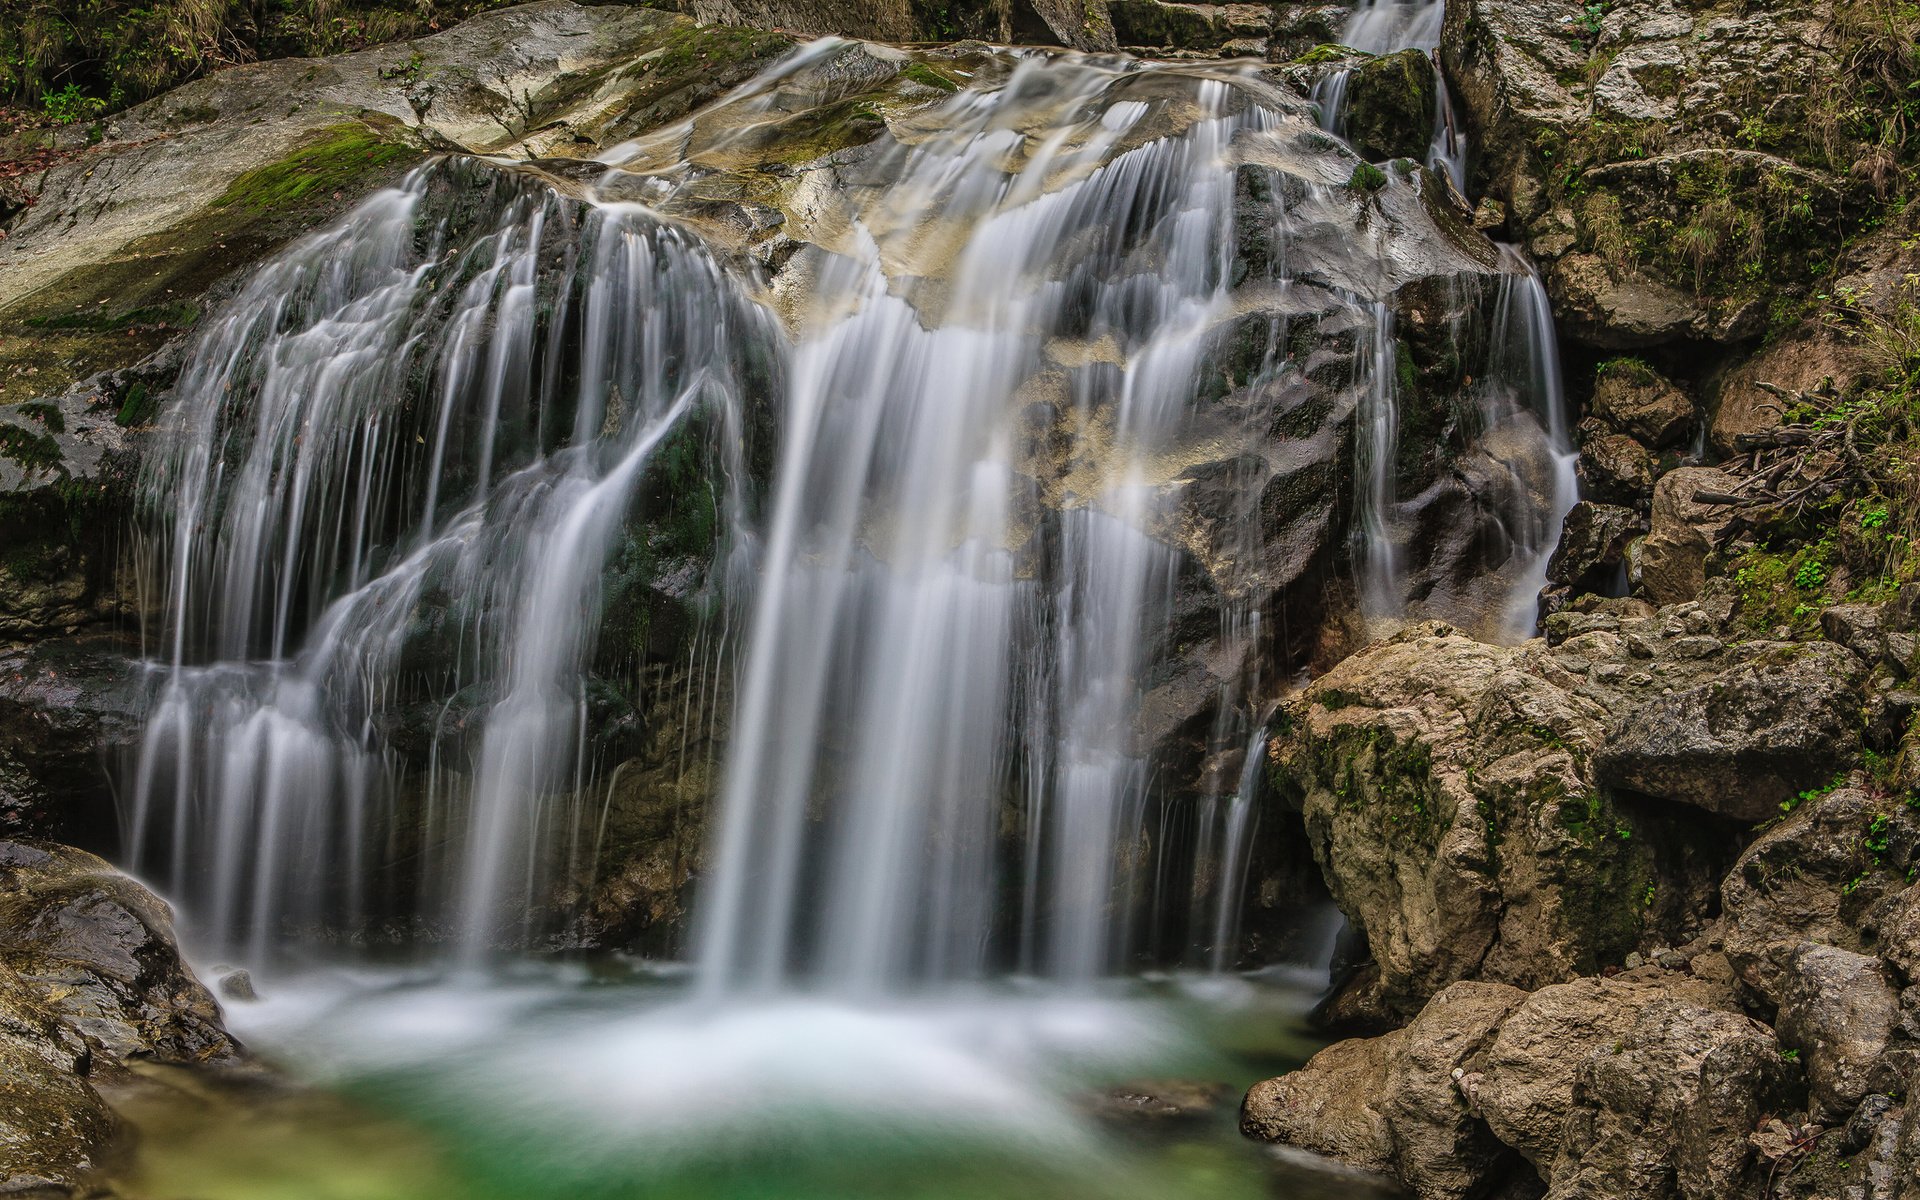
{"x":612,"y":1079}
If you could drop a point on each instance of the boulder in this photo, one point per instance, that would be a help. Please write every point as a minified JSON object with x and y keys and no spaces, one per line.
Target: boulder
{"x":1838,"y":1011}
{"x":1744,"y":738}
{"x":1614,"y":468}
{"x":1593,"y":545}
{"x":1401,"y":1104}
{"x":1633,"y":398}
{"x":1390,"y":106}
{"x":1816,"y":878}
{"x":90,"y":979}
{"x":1686,"y":525}
{"x":1669,"y":1109}
{"x":97,"y":951}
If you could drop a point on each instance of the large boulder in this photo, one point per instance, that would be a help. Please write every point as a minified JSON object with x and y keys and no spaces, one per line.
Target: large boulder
{"x":69,"y":712}
{"x":1400,"y":1104}
{"x":1670,"y":1109}
{"x":90,"y":980}
{"x":1821,"y":876}
{"x":1839,"y":1013}
{"x":1526,"y":814}
{"x":1764,"y":727}
{"x":1390,"y":106}
{"x":1635,"y":399}
{"x":1646,"y":1085}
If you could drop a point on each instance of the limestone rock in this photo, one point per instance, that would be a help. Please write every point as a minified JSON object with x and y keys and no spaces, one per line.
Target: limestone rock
{"x":1593,"y":545}
{"x":1812,"y":879}
{"x":1839,"y":1012}
{"x":98,"y":951}
{"x":1390,"y":106}
{"x":1673,"y":559}
{"x":1668,"y":1109}
{"x":1402,"y":1103}
{"x":1635,"y":399}
{"x":1744,"y":739}
{"x":1614,"y":468}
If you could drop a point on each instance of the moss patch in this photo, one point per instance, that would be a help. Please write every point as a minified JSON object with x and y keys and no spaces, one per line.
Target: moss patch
{"x":332,"y":160}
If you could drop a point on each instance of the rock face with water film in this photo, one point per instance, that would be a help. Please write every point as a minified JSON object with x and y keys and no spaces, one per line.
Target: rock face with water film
{"x":90,"y":980}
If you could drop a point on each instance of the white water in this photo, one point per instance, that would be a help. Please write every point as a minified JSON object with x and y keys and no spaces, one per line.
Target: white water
{"x":1377,"y":27}
{"x":405,"y":458}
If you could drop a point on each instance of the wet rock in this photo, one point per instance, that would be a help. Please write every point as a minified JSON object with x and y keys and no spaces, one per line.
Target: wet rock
{"x":98,"y":952}
{"x":1593,"y":545}
{"x":1636,"y":399}
{"x":1403,"y":1103}
{"x":1161,"y":1102}
{"x":1687,"y":521}
{"x":54,"y":1128}
{"x":68,"y":710}
{"x":1667,"y":1110}
{"x":1162,"y":24}
{"x":1614,"y":468}
{"x":1840,"y":1013}
{"x":1447,"y":792}
{"x":1390,"y":106}
{"x":1744,"y":739}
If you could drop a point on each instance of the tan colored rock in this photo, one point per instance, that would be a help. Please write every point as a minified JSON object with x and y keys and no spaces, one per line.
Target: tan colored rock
{"x":1672,"y":565}
{"x":1810,"y":359}
{"x":1839,"y":1012}
{"x":1668,"y":1109}
{"x":1614,"y":468}
{"x":1403,"y":1103}
{"x":1636,"y":399}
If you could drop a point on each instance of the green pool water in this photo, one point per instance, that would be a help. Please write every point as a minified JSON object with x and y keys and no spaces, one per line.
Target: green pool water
{"x":609,"y":1083}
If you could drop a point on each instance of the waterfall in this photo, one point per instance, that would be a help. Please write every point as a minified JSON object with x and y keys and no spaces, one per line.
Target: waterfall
{"x":962,"y":441}
{"x":1386,"y":26}
{"x":396,"y":470}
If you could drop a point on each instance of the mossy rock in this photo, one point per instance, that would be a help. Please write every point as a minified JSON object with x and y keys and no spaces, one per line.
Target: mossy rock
{"x":121,"y":309}
{"x":1390,"y":106}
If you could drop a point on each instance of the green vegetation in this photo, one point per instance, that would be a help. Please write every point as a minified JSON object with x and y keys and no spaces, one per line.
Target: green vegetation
{"x":926,"y":76}
{"x":81,"y":59}
{"x":340,"y":154}
{"x":1367,"y":178}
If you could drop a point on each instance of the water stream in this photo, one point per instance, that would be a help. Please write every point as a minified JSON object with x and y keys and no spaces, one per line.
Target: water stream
{"x":947,"y":571}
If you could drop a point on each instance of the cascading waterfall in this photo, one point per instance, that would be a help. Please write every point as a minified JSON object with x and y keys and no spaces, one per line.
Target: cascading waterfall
{"x":1383,"y":27}
{"x":395,"y":473}
{"x":405,"y":456}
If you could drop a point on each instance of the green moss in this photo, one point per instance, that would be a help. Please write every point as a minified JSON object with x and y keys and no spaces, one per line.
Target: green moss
{"x":49,"y":415}
{"x":1328,"y":52}
{"x":29,"y":450}
{"x":1367,"y":178}
{"x":336,"y":157}
{"x":926,"y":76}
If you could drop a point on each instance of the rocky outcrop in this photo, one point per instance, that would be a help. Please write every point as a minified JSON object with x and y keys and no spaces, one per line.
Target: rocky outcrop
{"x":1502,"y":813}
{"x":1633,"y":145}
{"x":68,"y":711}
{"x":90,"y":979}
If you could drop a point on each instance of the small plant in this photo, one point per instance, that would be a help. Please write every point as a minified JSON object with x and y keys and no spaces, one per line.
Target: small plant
{"x":1792,"y":1056}
{"x":1810,"y":575}
{"x":70,"y":105}
{"x":1589,"y":21}
{"x":1367,"y":178}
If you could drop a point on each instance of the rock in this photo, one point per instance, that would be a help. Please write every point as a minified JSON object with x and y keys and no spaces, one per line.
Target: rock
{"x":1668,"y":1108}
{"x":1614,"y":469}
{"x":98,"y":952}
{"x":1636,"y":399}
{"x":1161,"y":24}
{"x":67,"y":709}
{"x":1744,"y":740}
{"x":1530,"y":1068}
{"x":1813,"y":357}
{"x":1335,"y":1105}
{"x":1602,"y":128}
{"x":1447,"y":791}
{"x":1390,"y":106}
{"x":1839,"y":1012}
{"x":1161,"y":1102}
{"x":54,"y":1127}
{"x":238,"y":985}
{"x":1673,"y":558}
{"x":1812,"y":879}
{"x":1593,"y":546}
{"x":90,"y":978}
{"x":1400,"y":1104}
